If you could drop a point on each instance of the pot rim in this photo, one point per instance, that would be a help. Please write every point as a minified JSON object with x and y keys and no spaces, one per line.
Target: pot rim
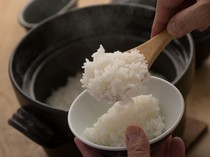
{"x":192,"y":47}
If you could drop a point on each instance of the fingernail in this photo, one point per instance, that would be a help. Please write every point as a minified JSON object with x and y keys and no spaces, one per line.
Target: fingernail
{"x":133,"y":132}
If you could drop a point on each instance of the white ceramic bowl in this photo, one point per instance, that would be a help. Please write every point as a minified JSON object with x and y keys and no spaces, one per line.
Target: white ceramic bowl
{"x":85,"y":110}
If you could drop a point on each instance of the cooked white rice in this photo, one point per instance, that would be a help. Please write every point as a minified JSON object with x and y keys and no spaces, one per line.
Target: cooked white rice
{"x":116,"y":76}
{"x":63,"y":97}
{"x":109,"y":130}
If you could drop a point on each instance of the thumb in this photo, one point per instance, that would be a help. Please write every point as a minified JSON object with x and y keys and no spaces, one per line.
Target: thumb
{"x":137,"y":142}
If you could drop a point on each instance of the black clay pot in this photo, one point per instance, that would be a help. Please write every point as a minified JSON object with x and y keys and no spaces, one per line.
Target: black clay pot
{"x":57,"y":48}
{"x":202,"y":46}
{"x":37,"y":11}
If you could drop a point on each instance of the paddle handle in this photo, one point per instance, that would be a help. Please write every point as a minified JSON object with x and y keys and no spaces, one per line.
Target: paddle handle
{"x":152,"y":48}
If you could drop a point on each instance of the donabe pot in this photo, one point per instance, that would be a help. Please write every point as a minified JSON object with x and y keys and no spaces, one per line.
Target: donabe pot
{"x":202,"y":46}
{"x":57,"y":48}
{"x":36,"y":11}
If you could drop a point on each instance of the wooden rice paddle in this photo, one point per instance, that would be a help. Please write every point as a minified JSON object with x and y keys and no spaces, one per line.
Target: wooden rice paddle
{"x":152,"y":48}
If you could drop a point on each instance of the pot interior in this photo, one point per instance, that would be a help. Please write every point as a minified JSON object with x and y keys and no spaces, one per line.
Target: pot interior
{"x":53,"y":67}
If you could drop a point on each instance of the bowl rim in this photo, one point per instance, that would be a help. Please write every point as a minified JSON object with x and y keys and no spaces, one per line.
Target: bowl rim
{"x":152,"y":141}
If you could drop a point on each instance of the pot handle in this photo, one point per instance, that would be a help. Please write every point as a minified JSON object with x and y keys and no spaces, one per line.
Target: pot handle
{"x":25,"y":122}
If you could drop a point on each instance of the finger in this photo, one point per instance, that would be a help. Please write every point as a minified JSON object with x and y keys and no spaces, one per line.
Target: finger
{"x":163,"y":149}
{"x":165,"y":9}
{"x":137,"y":142}
{"x":86,"y":150}
{"x":177,"y":148}
{"x":202,"y":28}
{"x":172,"y":3}
{"x":189,"y":19}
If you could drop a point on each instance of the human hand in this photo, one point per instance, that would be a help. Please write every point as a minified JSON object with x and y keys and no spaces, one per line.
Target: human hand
{"x":180,"y":17}
{"x":138,"y":146}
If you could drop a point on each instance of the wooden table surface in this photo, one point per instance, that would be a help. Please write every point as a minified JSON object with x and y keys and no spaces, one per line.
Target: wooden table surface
{"x":14,"y":144}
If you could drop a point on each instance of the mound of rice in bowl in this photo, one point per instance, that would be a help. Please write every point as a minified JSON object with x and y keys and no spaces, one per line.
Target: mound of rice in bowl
{"x":116,"y":76}
{"x":109,"y":130}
